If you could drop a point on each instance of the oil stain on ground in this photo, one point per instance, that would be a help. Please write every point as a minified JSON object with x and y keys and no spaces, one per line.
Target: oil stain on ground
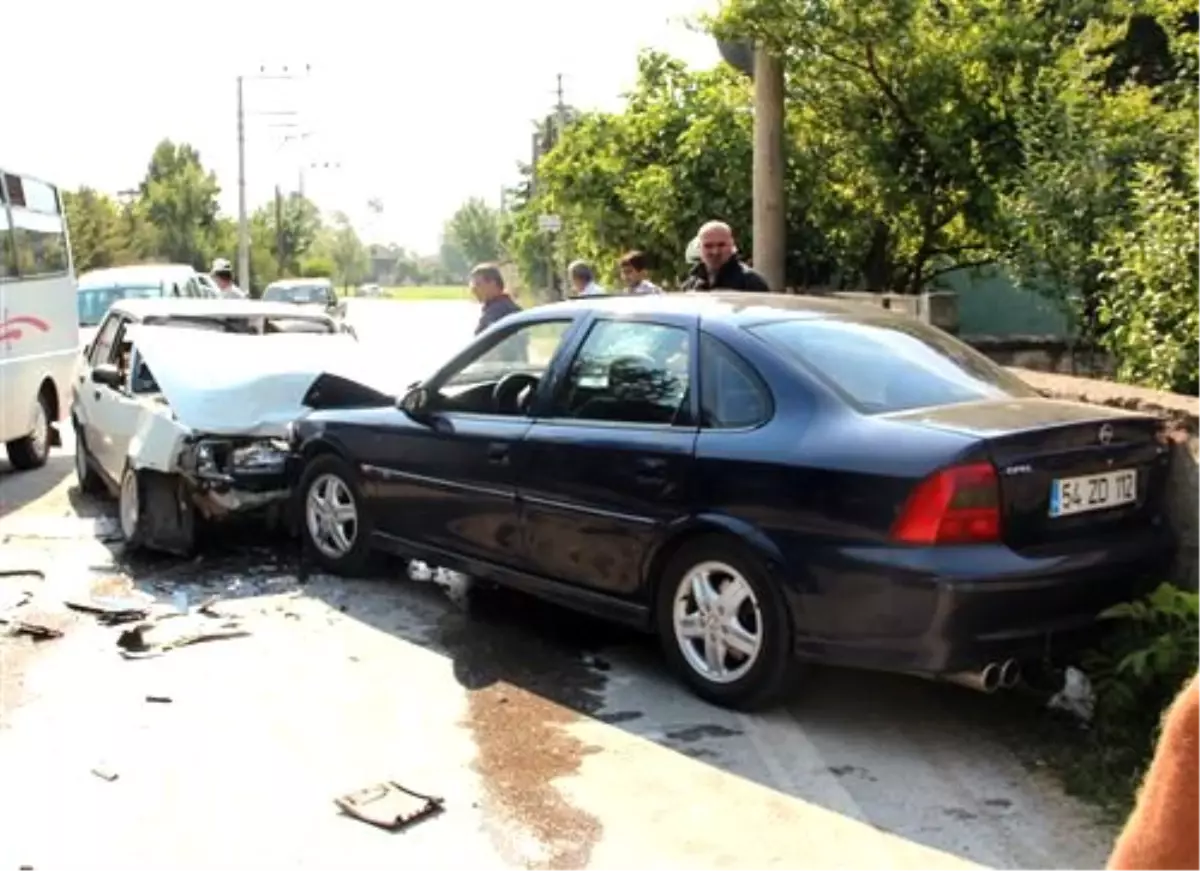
{"x":525,"y":666}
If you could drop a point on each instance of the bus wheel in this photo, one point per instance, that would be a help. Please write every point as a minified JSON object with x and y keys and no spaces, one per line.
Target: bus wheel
{"x":32,"y":451}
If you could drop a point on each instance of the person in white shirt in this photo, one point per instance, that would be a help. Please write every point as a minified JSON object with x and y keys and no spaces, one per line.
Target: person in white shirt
{"x":583,"y":279}
{"x":222,"y":274}
{"x":635,"y":272}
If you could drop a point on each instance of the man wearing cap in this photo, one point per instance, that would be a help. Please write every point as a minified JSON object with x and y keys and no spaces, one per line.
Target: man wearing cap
{"x":222,"y":274}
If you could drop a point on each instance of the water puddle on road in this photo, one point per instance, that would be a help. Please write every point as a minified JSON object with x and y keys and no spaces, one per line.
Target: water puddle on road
{"x":527,"y":682}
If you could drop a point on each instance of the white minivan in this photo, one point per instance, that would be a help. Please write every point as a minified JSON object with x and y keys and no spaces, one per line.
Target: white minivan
{"x":39,"y":324}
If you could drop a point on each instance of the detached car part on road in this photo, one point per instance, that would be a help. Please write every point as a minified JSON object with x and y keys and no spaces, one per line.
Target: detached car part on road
{"x":182,"y":410}
{"x":758,"y":478}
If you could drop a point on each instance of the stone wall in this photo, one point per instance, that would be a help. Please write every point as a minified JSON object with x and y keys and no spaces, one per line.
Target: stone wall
{"x":1181,"y":415}
{"x":1043,"y":354}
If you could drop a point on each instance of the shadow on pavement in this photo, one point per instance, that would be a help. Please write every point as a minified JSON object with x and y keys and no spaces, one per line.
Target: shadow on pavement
{"x":21,"y":488}
{"x":514,"y":653}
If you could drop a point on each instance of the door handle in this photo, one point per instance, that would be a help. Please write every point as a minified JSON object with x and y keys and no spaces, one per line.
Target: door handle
{"x":95,"y":394}
{"x":497,"y":453}
{"x":650,"y":471}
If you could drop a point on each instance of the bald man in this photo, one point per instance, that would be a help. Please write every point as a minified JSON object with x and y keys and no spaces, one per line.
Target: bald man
{"x":719,"y":267}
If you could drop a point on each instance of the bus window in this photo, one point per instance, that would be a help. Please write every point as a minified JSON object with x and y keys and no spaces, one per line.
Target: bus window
{"x":40,"y":243}
{"x":39,"y":197}
{"x":8,"y":253}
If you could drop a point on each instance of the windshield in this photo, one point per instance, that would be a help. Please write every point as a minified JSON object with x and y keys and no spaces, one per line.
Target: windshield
{"x":882,"y":366}
{"x":300,"y":293}
{"x":93,"y":302}
{"x":245,"y":325}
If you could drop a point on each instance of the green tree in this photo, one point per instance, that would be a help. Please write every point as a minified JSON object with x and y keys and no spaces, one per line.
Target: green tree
{"x":472,"y":235}
{"x":340,"y":243}
{"x":178,"y":200}
{"x":680,"y":154}
{"x":903,"y":109}
{"x":97,"y":235}
{"x":294,"y":222}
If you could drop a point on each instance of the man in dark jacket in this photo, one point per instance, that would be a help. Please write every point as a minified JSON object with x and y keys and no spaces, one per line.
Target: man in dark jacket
{"x":719,"y":267}
{"x":487,"y":285}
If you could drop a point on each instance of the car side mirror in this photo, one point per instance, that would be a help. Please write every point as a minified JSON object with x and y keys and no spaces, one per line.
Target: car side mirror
{"x":415,"y":403}
{"x":108,"y":375}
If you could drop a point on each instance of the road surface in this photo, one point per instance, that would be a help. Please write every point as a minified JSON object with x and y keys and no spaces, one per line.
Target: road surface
{"x":557,"y":742}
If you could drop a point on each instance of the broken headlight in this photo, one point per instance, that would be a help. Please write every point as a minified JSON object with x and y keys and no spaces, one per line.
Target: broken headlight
{"x":206,"y":460}
{"x":217,"y":459}
{"x":259,"y":458}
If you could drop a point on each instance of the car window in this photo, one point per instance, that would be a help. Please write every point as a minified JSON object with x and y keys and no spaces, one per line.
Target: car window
{"x":103,"y":344}
{"x":529,"y":348}
{"x":732,"y":395}
{"x":882,"y":366}
{"x":629,"y":372}
{"x":93,"y":302}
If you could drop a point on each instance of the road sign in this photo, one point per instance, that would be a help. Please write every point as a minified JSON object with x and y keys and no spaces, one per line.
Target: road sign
{"x":550,"y":223}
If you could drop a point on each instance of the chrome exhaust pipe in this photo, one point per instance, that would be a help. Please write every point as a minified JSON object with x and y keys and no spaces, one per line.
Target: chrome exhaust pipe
{"x":1010,"y":674}
{"x":984,"y":680}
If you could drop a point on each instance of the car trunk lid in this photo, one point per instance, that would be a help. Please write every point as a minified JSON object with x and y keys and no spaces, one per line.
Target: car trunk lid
{"x":1067,"y":470}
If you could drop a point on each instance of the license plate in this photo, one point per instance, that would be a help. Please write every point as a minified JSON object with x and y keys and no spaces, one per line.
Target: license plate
{"x":1093,"y":492}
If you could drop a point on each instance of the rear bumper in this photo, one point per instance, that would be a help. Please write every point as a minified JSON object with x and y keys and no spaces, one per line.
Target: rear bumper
{"x":935,"y":611}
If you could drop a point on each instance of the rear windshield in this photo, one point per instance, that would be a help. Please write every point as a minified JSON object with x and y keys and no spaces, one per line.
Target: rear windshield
{"x":884,"y":366}
{"x":93,"y":302}
{"x":297,"y":293}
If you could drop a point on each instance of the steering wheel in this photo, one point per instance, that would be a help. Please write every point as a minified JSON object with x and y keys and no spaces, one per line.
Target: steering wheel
{"x":506,"y":395}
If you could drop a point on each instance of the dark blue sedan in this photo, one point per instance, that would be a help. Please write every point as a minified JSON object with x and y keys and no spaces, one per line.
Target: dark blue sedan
{"x":758,"y":479}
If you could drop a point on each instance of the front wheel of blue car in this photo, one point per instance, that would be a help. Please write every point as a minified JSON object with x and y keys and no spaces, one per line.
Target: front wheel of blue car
{"x":333,"y":519}
{"x":724,"y":625}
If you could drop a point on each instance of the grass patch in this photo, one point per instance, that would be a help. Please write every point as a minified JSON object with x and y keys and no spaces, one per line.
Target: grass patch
{"x":418,"y":293}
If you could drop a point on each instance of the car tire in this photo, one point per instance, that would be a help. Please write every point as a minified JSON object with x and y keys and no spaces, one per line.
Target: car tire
{"x":86,"y":476}
{"x":131,"y":497}
{"x":332,"y":516}
{"x":32,"y":451}
{"x":742,"y":607}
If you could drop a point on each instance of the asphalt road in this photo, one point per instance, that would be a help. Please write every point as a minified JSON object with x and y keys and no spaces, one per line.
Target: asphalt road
{"x":557,"y":742}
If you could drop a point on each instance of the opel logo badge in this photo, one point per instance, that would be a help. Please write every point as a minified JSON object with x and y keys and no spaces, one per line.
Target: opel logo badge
{"x":1106,"y":434}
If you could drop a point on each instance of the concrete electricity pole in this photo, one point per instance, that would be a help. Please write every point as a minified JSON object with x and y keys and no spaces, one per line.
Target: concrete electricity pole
{"x":770,"y":227}
{"x":243,"y":221}
{"x":769,"y":215}
{"x":243,"y":264}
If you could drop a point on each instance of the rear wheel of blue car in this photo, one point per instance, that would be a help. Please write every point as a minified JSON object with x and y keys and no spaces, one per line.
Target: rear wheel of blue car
{"x":724,"y":625}
{"x":333,"y":520}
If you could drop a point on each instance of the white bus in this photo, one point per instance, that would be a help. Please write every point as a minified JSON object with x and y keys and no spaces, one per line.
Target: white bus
{"x":39,"y":324}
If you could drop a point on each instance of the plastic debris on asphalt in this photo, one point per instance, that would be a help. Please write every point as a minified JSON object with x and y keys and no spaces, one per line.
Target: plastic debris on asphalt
{"x":1076,"y":697}
{"x":389,"y":805}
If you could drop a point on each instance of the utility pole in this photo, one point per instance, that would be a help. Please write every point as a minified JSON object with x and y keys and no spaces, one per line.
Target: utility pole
{"x":279,"y":229}
{"x":243,"y":220}
{"x":243,"y":225}
{"x":770,"y":231}
{"x":560,"y":110}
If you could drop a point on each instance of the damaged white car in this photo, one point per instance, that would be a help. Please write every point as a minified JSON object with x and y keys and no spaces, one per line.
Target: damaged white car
{"x":186,"y":425}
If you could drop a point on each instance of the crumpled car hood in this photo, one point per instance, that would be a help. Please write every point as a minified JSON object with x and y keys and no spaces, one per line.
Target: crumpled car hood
{"x":230,"y":384}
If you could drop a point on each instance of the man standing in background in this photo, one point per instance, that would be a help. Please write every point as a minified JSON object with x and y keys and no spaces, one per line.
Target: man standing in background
{"x":487,"y":286}
{"x":635,"y":272}
{"x":719,"y":267}
{"x":222,"y":274}
{"x":583,"y":279}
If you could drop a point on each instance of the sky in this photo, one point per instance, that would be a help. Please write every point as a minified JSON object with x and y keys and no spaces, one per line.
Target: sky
{"x":420,"y":105}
